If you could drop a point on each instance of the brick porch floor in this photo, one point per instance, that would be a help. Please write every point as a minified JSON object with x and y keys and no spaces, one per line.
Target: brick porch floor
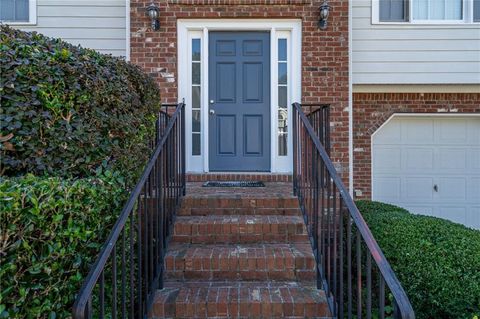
{"x":240,"y":253}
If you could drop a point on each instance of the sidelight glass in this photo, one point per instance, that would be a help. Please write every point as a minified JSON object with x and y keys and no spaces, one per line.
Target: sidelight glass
{"x":282,"y":97}
{"x":196,"y":96}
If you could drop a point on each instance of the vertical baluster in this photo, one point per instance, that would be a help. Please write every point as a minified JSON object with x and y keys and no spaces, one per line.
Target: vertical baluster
{"x":369,"y":285}
{"x":334,"y":246}
{"x":381,"y":297}
{"x":102,"y":296}
{"x":294,"y":139}
{"x":145,"y":242}
{"x":140,"y":252}
{"x":124,"y":283}
{"x":359,"y":275}
{"x":340,"y":261}
{"x":328,"y":241}
{"x":114,"y":282}
{"x":349,"y":266}
{"x":132,"y":267}
{"x":149,"y":230}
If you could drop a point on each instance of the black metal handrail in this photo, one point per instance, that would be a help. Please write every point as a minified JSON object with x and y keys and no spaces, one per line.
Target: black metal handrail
{"x":354,"y":286}
{"x":129,"y":268}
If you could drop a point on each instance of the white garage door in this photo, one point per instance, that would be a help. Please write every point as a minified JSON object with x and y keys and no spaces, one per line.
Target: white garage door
{"x":430,"y":166}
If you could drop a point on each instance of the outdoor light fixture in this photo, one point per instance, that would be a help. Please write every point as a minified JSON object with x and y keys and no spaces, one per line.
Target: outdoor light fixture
{"x":324,"y":11}
{"x":153,"y":13}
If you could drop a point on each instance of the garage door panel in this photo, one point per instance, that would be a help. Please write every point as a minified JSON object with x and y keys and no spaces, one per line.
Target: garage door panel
{"x":421,"y":210}
{"x":473,"y":217}
{"x":417,"y":131}
{"x":473,"y":189}
{"x":387,"y":158}
{"x":452,"y":159}
{"x":456,"y":214}
{"x":418,"y":153}
{"x":474,"y":158}
{"x":388,"y":188}
{"x":451,"y":188}
{"x":391,"y":134}
{"x":418,"y":188}
{"x":419,"y":158}
{"x":451,"y":131}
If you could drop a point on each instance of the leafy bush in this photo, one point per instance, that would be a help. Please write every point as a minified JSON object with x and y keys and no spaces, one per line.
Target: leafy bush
{"x":51,"y":231}
{"x":66,"y":110}
{"x":437,"y":261}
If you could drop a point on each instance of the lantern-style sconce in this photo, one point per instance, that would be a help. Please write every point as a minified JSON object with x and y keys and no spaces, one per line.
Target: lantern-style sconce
{"x":153,"y":12}
{"x":324,"y":12}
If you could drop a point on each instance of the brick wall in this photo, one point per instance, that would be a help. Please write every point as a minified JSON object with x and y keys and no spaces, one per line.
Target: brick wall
{"x":371,"y":110}
{"x":324,"y":52}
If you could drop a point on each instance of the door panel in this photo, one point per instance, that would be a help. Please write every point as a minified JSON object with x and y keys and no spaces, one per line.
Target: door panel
{"x":239,"y":95}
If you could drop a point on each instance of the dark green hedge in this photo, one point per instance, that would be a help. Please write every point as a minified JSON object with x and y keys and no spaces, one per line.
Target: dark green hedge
{"x":52,"y":228}
{"x":437,"y":261}
{"x":66,"y":110}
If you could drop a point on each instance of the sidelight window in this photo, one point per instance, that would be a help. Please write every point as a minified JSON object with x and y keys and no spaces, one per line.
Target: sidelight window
{"x":196,"y":97}
{"x":282,"y":97}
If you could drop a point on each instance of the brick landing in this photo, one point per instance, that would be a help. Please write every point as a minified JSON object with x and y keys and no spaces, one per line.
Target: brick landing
{"x":240,"y":253}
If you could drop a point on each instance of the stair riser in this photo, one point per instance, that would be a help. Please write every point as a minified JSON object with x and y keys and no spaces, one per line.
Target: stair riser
{"x":206,"y":211}
{"x":240,"y":303}
{"x":222,"y":202}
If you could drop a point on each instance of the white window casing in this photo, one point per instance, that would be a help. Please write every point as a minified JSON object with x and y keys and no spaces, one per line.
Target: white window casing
{"x":464,"y":10}
{"x":32,"y":15}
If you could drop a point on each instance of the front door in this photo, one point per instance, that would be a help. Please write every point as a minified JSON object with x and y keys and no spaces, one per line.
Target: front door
{"x":239,"y":98}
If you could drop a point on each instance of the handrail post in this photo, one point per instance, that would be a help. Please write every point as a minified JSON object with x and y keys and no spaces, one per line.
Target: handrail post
{"x":182,"y":132}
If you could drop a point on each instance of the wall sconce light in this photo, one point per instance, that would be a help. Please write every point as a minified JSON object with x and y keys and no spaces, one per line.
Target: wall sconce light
{"x":153,"y":13}
{"x":324,"y":12}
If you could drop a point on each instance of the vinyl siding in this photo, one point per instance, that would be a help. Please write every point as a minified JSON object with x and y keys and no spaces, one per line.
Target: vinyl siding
{"x":413,"y":54}
{"x":95,"y":24}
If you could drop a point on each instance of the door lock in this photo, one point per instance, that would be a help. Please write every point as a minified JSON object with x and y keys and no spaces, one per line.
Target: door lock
{"x":435,"y":187}
{"x":212,"y":101}
{"x":212,"y":112}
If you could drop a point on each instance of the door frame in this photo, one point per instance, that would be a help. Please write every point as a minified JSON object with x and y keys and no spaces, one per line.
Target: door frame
{"x":188,"y":29}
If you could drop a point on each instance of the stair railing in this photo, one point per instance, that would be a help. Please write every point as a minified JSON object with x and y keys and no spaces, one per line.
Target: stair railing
{"x":129,"y":268}
{"x":344,"y":246}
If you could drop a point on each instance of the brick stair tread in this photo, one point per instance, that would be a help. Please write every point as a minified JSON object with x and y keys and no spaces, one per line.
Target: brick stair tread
{"x":236,"y":201}
{"x":237,"y":262}
{"x":239,"y":300}
{"x":239,"y":229}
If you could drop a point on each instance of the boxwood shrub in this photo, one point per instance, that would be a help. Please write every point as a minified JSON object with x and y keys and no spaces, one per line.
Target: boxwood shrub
{"x":52,"y":229}
{"x":437,"y":261}
{"x":66,"y":110}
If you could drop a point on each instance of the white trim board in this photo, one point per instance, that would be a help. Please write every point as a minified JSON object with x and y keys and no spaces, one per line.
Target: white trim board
{"x":199,"y":28}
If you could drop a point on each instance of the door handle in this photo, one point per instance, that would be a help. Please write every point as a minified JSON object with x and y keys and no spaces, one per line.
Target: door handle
{"x":212,"y":101}
{"x":212,"y":112}
{"x":435,"y":187}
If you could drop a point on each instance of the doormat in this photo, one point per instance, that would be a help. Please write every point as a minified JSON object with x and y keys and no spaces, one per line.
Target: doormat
{"x":234,"y":184}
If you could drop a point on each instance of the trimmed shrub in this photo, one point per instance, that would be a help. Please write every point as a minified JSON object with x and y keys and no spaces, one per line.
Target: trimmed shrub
{"x":66,"y":110}
{"x":51,"y":231}
{"x":437,"y":261}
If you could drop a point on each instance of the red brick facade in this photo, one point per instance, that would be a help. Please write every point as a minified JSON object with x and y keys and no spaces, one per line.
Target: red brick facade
{"x":370,"y":111}
{"x":324,"y":52}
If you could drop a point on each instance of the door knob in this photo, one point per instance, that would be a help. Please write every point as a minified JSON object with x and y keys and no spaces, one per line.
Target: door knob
{"x":212,"y":101}
{"x":212,"y":112}
{"x":435,"y":188}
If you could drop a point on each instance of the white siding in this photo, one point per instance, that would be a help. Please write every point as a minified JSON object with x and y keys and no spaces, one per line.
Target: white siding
{"x":413,"y":54}
{"x":95,"y":24}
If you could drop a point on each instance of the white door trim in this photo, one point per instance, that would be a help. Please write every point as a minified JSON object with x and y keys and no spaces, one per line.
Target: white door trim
{"x":199,"y":28}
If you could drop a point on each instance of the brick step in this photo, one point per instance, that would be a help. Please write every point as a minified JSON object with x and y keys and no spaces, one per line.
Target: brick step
{"x":238,"y":201}
{"x":205,"y":211}
{"x":241,"y":262}
{"x":235,"y":229}
{"x":239,"y":300}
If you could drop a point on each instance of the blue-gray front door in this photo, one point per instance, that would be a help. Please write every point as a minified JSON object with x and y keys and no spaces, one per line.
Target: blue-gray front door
{"x":239,"y":96}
